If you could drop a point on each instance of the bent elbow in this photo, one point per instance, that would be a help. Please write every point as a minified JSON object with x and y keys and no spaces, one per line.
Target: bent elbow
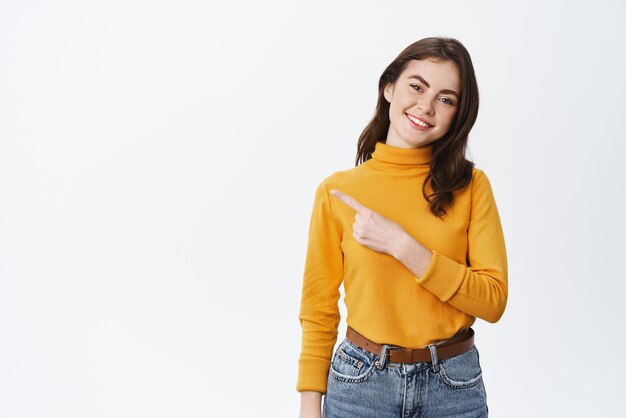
{"x":496,"y":314}
{"x":499,"y":306}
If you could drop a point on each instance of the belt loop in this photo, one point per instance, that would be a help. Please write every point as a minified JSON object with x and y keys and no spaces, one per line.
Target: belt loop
{"x":383,"y":357}
{"x":433,"y":355}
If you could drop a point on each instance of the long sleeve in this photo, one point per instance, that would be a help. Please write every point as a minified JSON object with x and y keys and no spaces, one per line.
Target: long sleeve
{"x":319,"y":312}
{"x":479,"y":288}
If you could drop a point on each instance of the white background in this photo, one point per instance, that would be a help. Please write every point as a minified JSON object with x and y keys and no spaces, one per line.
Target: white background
{"x":158,"y":162}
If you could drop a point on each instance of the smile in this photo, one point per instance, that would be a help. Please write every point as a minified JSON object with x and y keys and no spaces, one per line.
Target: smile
{"x":417,"y":121}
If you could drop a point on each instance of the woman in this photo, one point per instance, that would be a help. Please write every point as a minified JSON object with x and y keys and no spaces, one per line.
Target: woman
{"x":414,"y":234}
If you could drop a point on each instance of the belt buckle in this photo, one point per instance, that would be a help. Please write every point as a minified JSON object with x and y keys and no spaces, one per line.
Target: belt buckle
{"x":389,"y":348}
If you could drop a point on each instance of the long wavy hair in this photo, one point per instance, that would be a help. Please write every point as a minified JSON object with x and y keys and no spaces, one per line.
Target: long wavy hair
{"x":449,"y":170}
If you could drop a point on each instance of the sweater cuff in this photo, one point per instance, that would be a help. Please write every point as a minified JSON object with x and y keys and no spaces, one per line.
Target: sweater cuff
{"x":443,"y":276}
{"x":312,"y":375}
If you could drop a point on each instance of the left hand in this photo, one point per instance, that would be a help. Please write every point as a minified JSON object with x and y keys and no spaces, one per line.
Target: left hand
{"x":370,"y":228}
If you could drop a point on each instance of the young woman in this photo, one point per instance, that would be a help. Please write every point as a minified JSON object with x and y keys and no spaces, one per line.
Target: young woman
{"x":414,"y":234}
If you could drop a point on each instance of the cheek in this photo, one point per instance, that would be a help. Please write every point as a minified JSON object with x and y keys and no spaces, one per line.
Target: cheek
{"x":398,"y":113}
{"x":446,"y":118}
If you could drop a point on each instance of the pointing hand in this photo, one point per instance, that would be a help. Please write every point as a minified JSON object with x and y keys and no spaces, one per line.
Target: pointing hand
{"x":370,"y":228}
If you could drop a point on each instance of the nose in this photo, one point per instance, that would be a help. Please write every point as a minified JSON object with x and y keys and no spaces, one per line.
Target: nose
{"x":425,"y":106}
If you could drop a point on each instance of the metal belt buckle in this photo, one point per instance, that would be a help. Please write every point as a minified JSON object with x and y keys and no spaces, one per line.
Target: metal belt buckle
{"x":392,"y":347}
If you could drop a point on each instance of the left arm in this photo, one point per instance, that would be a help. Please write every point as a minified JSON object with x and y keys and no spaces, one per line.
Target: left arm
{"x":479,"y":288}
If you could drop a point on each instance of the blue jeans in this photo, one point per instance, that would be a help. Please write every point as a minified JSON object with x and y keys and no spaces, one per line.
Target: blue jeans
{"x":362,"y":384}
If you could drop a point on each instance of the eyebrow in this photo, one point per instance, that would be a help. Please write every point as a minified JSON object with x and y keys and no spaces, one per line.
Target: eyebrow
{"x":446,"y":91}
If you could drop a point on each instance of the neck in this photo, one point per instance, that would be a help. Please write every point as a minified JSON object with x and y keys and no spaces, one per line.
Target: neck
{"x":385,"y":155}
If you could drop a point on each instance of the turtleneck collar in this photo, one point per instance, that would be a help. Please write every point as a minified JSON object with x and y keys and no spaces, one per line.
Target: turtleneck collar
{"x":385,"y":154}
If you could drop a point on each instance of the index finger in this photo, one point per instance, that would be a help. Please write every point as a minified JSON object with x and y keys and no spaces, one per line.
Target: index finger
{"x":348,"y":200}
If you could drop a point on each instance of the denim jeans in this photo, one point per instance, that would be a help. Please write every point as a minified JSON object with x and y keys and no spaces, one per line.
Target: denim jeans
{"x":362,"y":384}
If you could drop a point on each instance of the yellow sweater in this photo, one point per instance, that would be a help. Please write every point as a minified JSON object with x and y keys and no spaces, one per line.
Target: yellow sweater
{"x":385,"y":301}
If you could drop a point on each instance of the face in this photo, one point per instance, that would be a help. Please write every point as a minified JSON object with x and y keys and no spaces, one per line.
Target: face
{"x":428,"y":91}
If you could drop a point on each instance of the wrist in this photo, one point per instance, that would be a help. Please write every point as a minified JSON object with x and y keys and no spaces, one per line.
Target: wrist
{"x":403,"y":246}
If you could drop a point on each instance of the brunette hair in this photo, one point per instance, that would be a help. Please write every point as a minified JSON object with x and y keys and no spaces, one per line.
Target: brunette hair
{"x":449,"y":170}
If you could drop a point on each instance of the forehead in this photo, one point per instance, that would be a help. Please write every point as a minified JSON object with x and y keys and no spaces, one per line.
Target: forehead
{"x":439,"y":74}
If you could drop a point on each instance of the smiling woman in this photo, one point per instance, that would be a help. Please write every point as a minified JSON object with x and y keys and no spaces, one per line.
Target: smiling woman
{"x":414,"y":234}
{"x":418,"y":104}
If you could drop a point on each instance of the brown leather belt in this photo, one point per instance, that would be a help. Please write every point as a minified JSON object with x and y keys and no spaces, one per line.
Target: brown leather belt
{"x":460,"y":343}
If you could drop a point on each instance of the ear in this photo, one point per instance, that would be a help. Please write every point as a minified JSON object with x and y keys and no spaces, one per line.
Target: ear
{"x":388,"y":92}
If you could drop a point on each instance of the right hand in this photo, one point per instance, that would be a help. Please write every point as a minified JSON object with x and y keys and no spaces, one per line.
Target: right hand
{"x":310,"y":404}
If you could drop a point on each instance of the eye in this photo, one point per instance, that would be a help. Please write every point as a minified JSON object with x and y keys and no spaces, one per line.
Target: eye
{"x":417,"y":87}
{"x":450,"y":102}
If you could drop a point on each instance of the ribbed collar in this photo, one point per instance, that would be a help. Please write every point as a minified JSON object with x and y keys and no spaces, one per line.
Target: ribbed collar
{"x":388,"y":154}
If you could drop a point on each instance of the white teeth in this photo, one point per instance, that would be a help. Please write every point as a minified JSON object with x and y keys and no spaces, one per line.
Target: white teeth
{"x":419,"y":122}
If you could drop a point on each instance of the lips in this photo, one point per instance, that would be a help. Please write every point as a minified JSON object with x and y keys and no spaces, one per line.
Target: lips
{"x":429,"y":125}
